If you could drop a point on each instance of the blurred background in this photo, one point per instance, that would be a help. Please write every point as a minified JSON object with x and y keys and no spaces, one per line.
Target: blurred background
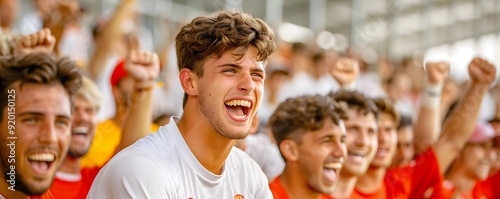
{"x":453,"y":30}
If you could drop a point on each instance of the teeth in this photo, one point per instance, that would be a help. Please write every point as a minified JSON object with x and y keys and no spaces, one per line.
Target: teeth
{"x":240,"y":117}
{"x":243,"y":103}
{"x":335,"y":166}
{"x":42,"y":157}
{"x":357,"y":154}
{"x":81,"y":129}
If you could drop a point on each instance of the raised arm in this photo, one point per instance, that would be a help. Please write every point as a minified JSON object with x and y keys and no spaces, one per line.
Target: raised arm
{"x":459,"y":126}
{"x":144,"y":67}
{"x":111,"y":35}
{"x":428,"y":124}
{"x":42,"y":41}
{"x":65,"y":13}
{"x":345,"y":71}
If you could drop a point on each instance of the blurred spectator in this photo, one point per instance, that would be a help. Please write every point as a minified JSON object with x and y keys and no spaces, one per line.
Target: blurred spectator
{"x":399,"y":89}
{"x":276,"y":75}
{"x":261,"y":149}
{"x":114,"y":35}
{"x":109,"y":132}
{"x":8,"y":14}
{"x":404,"y":152}
{"x":310,"y":134}
{"x":72,"y":181}
{"x":33,"y":22}
{"x":473,"y":164}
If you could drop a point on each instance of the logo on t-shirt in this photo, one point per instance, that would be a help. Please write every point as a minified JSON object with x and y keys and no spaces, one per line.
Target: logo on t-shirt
{"x":239,"y":196}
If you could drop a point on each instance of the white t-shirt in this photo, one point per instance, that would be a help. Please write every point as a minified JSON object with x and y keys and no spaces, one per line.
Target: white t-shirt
{"x":161,"y":165}
{"x":266,"y":154}
{"x":30,"y":23}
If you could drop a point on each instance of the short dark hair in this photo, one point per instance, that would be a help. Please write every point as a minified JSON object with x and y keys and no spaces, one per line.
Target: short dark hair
{"x":41,"y":68}
{"x":385,"y":105}
{"x":405,"y":121}
{"x":356,"y":100}
{"x":295,"y":116}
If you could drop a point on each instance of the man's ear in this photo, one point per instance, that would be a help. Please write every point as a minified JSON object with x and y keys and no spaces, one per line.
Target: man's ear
{"x":189,"y":81}
{"x":290,"y":150}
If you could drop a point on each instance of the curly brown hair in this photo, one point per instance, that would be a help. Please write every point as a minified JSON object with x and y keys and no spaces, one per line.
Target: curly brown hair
{"x":295,"y":116}
{"x":385,"y":105}
{"x":208,"y":36}
{"x":40,"y":68}
{"x":357,"y":101}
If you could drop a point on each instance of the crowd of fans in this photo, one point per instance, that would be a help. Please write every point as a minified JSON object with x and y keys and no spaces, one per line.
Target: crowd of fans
{"x":225,"y":109}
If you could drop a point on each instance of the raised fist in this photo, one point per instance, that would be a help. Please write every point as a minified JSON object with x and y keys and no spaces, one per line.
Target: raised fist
{"x":144,"y":67}
{"x":345,"y":70}
{"x":42,"y":41}
{"x":482,"y":72}
{"x":437,"y":72}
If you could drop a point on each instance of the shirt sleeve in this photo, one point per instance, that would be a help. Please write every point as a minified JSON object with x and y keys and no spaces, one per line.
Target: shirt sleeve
{"x":262,"y":188}
{"x":131,"y":176}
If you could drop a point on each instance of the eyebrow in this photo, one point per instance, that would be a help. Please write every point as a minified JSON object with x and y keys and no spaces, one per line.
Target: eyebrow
{"x":230,"y":65}
{"x":254,"y":69}
{"x":39,"y":114}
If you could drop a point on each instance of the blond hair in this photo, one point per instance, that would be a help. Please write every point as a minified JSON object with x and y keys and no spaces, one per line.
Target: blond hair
{"x":90,"y":92}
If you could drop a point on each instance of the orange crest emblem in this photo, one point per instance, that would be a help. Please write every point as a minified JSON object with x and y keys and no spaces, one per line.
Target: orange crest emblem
{"x":239,"y":196}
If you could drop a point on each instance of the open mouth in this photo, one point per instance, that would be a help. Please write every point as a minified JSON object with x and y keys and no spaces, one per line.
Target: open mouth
{"x":356,"y":156}
{"x":238,"y":109}
{"x":80,"y":130}
{"x":382,"y":151}
{"x":41,"y":162}
{"x":331,"y":171}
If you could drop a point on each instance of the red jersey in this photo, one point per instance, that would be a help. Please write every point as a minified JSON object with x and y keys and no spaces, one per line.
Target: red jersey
{"x":280,"y":193}
{"x":410,"y":181}
{"x":482,"y":190}
{"x":490,"y":187}
{"x":77,"y":189}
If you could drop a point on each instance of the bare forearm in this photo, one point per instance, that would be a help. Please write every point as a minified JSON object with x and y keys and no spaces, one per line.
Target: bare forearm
{"x":427,"y":126}
{"x":139,"y":119}
{"x":111,"y":35}
{"x":459,"y":126}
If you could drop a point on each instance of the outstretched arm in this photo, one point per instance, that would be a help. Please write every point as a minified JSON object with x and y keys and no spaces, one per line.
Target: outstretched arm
{"x":459,"y":127}
{"x":428,"y":124}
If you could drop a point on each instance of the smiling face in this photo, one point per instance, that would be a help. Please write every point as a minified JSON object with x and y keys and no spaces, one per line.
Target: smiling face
{"x":361,"y":142}
{"x":321,"y":155}
{"x":230,"y":91}
{"x":404,"y":150}
{"x":477,"y":159}
{"x":83,"y":127}
{"x":387,"y":141}
{"x":42,"y":128}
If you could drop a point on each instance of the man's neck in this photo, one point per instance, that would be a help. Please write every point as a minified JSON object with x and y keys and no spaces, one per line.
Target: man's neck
{"x":70,"y":165}
{"x":10,"y":194}
{"x":294,"y":184}
{"x":345,"y":186}
{"x":209,"y":147}
{"x":372,"y":180}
